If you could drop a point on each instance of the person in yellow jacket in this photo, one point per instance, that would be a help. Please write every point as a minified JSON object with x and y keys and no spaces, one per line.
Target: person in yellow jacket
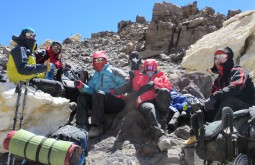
{"x":21,"y":65}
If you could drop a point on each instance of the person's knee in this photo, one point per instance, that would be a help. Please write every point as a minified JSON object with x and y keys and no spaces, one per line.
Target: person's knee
{"x":99,"y":93}
{"x":146,"y":106}
{"x":163,"y":95}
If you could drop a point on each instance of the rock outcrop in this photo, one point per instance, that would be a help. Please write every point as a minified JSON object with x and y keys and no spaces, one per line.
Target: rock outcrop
{"x":237,"y":33}
{"x":43,"y":114}
{"x":174,"y":27}
{"x":127,"y":138}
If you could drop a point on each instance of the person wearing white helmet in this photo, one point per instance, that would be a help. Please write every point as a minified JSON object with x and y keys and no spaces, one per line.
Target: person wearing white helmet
{"x":102,"y":94}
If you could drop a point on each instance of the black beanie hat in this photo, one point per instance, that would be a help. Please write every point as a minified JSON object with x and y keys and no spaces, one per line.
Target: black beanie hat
{"x":57,"y":43}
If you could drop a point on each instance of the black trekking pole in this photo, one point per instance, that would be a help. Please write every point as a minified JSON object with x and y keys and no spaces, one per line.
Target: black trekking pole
{"x":23,"y":105}
{"x":18,"y":91}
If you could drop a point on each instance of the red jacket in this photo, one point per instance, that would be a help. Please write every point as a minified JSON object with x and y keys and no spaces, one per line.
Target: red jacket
{"x":55,"y":59}
{"x":160,"y":81}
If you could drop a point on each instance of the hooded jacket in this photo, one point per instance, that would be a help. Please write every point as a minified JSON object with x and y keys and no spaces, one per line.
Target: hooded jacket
{"x":159,"y":80}
{"x":105,"y":80}
{"x":233,"y":80}
{"x":21,"y":65}
{"x":43,"y":56}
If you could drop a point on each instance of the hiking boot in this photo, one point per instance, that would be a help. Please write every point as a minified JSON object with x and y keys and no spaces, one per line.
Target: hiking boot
{"x":72,"y":106}
{"x":164,"y":122}
{"x":173,"y":123}
{"x":164,"y":143}
{"x":95,"y":131}
{"x":191,"y":140}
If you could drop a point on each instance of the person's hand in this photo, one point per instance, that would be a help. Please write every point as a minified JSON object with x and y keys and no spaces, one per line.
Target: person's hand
{"x":209,"y":104}
{"x":112,"y":91}
{"x":135,"y":60}
{"x":150,"y":84}
{"x":78,"y":84}
{"x":145,"y":88}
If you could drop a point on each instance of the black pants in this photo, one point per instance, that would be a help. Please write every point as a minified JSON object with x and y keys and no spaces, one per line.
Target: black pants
{"x":156,"y":111}
{"x":100,"y":103}
{"x":53,"y":87}
{"x":233,"y":102}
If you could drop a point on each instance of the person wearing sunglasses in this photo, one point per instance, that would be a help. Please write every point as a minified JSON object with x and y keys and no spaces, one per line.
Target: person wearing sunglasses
{"x":21,"y":65}
{"x":51,"y":52}
{"x":102,"y":94}
{"x":153,"y":99}
{"x":232,"y":88}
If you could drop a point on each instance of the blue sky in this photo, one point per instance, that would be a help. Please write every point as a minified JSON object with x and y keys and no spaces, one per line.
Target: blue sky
{"x":59,"y":19}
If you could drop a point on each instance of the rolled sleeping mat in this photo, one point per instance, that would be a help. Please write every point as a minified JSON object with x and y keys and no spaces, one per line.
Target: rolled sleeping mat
{"x":42,"y":149}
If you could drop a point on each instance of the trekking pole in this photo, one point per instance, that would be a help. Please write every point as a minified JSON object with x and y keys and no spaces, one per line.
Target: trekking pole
{"x":23,"y":104}
{"x":22,"y":115}
{"x":18,"y":91}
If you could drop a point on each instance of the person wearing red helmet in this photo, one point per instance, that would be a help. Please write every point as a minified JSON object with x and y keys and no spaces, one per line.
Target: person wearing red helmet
{"x":153,"y":99}
{"x":102,"y":94}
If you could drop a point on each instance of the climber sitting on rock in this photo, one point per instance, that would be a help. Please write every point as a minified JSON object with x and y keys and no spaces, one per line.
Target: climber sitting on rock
{"x":22,"y":65}
{"x":153,"y":98}
{"x":102,"y":94}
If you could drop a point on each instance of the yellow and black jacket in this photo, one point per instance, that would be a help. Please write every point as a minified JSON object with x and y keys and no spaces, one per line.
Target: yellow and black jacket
{"x":22,"y":65}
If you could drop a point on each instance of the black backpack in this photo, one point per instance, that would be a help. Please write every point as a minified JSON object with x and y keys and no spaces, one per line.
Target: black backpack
{"x":73,"y":134}
{"x":67,"y":75}
{"x":244,"y":122}
{"x":224,"y":140}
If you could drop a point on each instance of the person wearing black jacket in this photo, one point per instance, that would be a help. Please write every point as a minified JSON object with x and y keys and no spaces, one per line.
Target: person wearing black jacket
{"x":21,"y":65}
{"x":232,"y":88}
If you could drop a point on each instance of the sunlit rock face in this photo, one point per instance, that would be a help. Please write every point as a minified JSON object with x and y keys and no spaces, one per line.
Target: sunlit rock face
{"x":236,"y":33}
{"x":43,"y":114}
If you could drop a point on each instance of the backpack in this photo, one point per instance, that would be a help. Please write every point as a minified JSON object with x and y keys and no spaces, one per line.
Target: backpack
{"x":67,"y":76}
{"x":223,"y":140}
{"x":76,"y":135}
{"x":244,"y":122}
{"x":71,"y":74}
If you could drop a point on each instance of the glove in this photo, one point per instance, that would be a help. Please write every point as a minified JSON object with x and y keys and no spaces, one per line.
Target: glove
{"x":145,"y":88}
{"x":78,"y":84}
{"x":40,"y":53}
{"x":135,"y":60}
{"x":150,"y":84}
{"x":112,"y":91}
{"x":209,"y":104}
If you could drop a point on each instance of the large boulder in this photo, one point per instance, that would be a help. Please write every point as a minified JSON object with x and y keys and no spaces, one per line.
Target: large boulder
{"x":236,"y":33}
{"x":174,"y":27}
{"x":43,"y":114}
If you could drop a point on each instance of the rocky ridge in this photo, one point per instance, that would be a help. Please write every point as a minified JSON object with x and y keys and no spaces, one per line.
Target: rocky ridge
{"x":166,"y":37}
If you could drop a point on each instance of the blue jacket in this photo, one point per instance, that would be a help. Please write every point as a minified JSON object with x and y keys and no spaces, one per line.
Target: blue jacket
{"x":108,"y":78}
{"x":179,"y":102}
